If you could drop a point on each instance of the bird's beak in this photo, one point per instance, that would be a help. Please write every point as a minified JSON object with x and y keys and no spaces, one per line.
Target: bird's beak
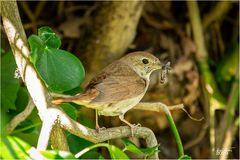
{"x":158,"y":65}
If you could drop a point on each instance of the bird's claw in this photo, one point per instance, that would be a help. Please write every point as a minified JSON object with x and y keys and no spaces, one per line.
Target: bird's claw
{"x":134,"y":127}
{"x":99,"y":129}
{"x":137,"y":125}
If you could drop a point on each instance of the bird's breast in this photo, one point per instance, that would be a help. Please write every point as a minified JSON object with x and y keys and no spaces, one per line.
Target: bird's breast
{"x":121,"y":107}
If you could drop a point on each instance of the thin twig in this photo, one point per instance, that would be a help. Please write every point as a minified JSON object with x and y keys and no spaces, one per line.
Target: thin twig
{"x":217,"y":13}
{"x":39,"y":8}
{"x":163,"y":25}
{"x":20,"y":117}
{"x":60,"y":10}
{"x":30,"y":25}
{"x":199,"y":138}
{"x":30,"y":15}
{"x":160,"y":107}
{"x":156,"y":106}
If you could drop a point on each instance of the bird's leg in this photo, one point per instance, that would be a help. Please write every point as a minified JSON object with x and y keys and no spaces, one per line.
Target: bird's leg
{"x":98,"y":128}
{"x":132,"y":126}
{"x":97,"y":125}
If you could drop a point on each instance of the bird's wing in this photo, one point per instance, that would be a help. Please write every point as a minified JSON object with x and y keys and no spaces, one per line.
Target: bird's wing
{"x":117,"y":82}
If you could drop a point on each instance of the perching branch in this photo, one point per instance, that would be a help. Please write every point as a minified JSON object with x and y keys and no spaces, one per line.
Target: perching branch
{"x":56,"y":114}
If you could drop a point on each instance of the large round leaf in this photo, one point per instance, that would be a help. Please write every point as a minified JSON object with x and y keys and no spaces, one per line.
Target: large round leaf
{"x":60,"y":69}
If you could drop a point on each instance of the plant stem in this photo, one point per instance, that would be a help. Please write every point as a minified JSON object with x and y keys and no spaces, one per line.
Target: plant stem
{"x":175,"y":133}
{"x":26,"y":128}
{"x":90,"y":148}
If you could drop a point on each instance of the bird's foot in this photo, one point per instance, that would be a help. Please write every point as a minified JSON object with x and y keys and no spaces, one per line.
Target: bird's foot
{"x":99,"y":129}
{"x":137,"y":125}
{"x":134,"y":127}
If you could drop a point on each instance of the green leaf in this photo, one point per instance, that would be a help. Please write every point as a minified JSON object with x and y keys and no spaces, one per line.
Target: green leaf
{"x":74,"y":91}
{"x":129,"y":146}
{"x":77,"y":143}
{"x":50,"y":38}
{"x":37,"y":48}
{"x":84,"y":120}
{"x":91,"y":155}
{"x":14,"y":148}
{"x":56,"y":154}
{"x":150,"y":150}
{"x":9,"y":84}
{"x":227,"y":67}
{"x":116,"y":153}
{"x":70,"y":110}
{"x":186,"y":157}
{"x":60,"y":70}
{"x":101,"y":157}
{"x":2,"y":51}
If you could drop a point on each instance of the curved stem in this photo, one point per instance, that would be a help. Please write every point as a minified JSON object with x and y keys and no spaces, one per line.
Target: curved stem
{"x":90,"y":148}
{"x":20,"y":117}
{"x":175,"y":133}
{"x":26,"y":128}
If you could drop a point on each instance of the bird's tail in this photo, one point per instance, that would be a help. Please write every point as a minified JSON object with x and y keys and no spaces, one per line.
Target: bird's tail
{"x":78,"y":99}
{"x":62,"y":100}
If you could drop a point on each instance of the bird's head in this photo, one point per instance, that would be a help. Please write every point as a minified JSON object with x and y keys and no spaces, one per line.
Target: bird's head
{"x":143,"y":63}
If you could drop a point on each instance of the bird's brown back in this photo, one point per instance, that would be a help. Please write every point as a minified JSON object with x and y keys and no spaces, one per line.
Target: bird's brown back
{"x":117,"y":82}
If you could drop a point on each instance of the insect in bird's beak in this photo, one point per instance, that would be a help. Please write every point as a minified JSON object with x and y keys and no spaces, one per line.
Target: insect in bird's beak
{"x":165,"y":71}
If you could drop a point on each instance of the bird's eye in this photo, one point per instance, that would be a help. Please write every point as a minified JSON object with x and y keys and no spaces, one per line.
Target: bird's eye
{"x":145,"y":61}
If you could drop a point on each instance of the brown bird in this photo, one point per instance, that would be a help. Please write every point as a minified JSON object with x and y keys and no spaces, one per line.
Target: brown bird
{"x":119,"y":87}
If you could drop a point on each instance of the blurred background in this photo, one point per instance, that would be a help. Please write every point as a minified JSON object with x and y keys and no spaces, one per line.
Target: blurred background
{"x":100,"y":32}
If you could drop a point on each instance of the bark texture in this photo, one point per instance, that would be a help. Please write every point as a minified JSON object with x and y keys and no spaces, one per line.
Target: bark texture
{"x":114,"y":29}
